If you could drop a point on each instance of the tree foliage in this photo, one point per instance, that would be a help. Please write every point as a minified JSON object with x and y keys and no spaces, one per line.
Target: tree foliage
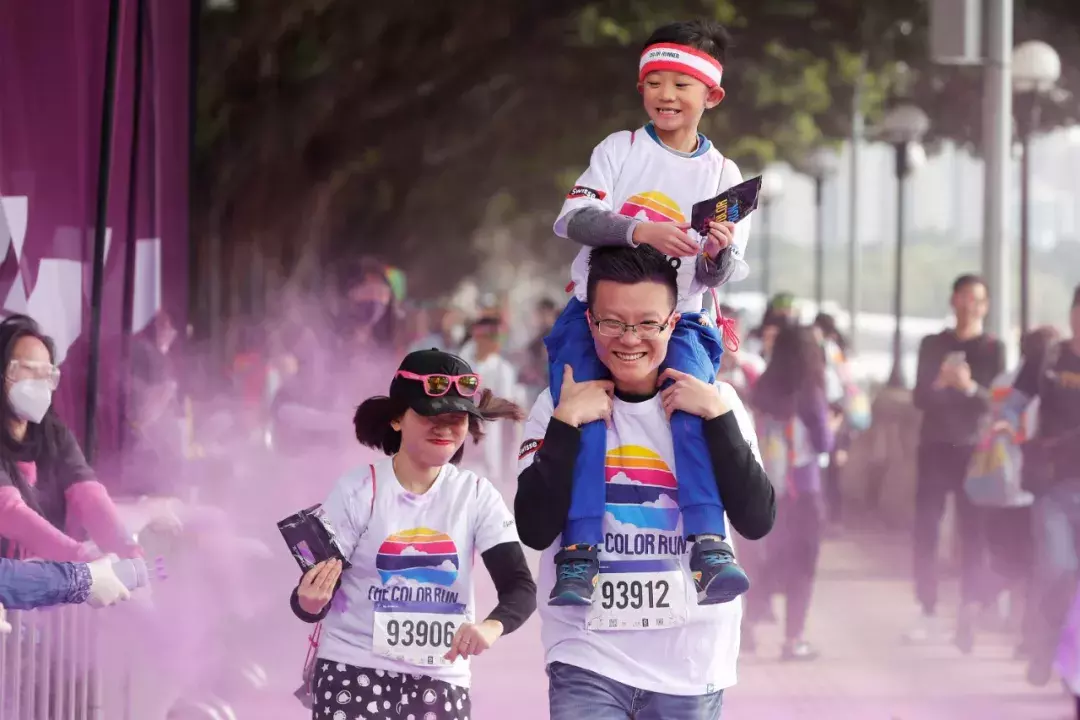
{"x":335,"y":127}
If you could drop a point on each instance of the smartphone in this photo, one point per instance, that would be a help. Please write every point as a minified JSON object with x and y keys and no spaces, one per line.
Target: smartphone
{"x":956,"y":358}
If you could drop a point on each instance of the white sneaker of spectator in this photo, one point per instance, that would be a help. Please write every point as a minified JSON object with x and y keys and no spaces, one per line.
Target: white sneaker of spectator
{"x":927,"y":629}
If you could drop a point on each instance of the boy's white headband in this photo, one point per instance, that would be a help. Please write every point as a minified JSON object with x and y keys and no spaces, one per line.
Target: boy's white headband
{"x":681,"y":59}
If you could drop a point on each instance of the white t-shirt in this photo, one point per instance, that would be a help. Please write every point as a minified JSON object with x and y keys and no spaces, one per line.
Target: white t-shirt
{"x":645,"y":179}
{"x":695,"y":658}
{"x":409,"y":548}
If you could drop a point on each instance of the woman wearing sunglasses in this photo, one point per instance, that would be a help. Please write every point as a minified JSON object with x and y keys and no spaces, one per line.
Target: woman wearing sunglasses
{"x":399,"y":623}
{"x":45,"y":482}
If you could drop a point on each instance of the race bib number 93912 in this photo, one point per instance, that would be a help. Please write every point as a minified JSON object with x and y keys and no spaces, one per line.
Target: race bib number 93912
{"x":416,"y":633}
{"x":629,"y":600}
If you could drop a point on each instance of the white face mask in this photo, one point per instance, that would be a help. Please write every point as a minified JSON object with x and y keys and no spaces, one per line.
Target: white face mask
{"x":30,"y":399}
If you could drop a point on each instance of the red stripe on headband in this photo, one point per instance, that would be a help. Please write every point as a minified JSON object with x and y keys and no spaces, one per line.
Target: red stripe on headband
{"x":707,"y":69}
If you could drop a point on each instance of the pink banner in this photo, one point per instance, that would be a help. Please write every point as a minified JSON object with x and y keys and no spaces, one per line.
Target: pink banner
{"x":52,"y":79}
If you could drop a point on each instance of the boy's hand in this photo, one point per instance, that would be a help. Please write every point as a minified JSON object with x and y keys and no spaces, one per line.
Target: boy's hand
{"x":690,"y":395}
{"x":669,"y":238}
{"x":584,"y":402}
{"x":721,"y":235}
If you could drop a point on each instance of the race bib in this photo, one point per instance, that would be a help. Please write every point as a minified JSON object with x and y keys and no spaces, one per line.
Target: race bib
{"x":416,"y":633}
{"x":638,"y":595}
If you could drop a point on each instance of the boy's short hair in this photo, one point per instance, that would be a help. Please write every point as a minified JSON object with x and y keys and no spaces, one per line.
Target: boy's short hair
{"x":708,"y":36}
{"x":967,"y":280}
{"x":629,"y":266}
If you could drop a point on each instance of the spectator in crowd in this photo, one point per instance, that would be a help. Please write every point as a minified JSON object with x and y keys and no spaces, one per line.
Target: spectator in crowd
{"x":450,"y":334}
{"x":30,"y":585}
{"x":795,"y":428}
{"x":45,"y":482}
{"x":154,"y":446}
{"x":837,"y":382}
{"x":1052,"y":473}
{"x":780,"y":310}
{"x":740,"y":368}
{"x":955,"y":370}
{"x":534,"y":366}
{"x":308,"y":410}
{"x":1010,"y":544}
{"x":495,"y":456}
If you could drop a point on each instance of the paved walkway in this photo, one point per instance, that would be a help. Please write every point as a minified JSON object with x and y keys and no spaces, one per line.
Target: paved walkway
{"x":861,"y":607}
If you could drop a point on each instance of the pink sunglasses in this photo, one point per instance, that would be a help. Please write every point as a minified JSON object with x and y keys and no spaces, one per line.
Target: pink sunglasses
{"x":438,"y":384}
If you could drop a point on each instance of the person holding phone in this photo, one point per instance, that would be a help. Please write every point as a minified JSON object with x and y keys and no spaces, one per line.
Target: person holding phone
{"x":400,"y":624}
{"x":956,"y":369}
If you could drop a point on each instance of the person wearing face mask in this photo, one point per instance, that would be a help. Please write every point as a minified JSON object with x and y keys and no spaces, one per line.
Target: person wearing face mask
{"x":308,"y":411}
{"x":399,"y":626}
{"x":368,"y":314}
{"x":45,"y":482}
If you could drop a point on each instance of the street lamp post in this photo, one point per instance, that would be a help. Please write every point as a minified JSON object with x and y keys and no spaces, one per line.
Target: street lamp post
{"x":819,"y":165}
{"x":903,"y":127}
{"x":772,"y":185}
{"x":1036,"y":69}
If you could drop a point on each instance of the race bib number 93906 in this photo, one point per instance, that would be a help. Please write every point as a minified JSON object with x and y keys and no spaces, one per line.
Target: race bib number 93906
{"x":416,"y":633}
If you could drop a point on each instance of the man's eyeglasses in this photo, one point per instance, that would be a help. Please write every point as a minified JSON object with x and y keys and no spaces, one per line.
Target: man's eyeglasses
{"x":648,"y":330}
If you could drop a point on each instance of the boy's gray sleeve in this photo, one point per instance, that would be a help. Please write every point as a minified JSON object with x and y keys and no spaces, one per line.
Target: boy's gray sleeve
{"x":714,"y":274}
{"x":595,"y":227}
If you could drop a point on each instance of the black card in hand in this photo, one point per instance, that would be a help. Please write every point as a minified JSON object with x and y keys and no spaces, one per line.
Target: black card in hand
{"x":311,"y":538}
{"x":732,"y":205}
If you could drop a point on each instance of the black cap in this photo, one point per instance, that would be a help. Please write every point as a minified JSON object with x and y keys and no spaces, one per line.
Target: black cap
{"x":433,"y":362}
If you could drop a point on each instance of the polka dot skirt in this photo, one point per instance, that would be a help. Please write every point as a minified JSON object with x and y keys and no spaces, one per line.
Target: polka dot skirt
{"x":344,"y":692}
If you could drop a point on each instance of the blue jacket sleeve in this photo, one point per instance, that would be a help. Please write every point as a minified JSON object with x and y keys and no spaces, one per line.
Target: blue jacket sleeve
{"x":29,"y":585}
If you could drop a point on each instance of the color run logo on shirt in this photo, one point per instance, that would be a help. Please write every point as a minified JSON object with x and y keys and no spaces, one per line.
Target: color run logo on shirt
{"x":653,"y":206}
{"x":417,"y":565}
{"x":641,"y":489}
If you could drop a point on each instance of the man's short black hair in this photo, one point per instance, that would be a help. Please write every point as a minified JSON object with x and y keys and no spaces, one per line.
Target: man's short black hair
{"x":629,"y":266}
{"x":1076,"y":297}
{"x":546,"y":303}
{"x":705,"y":35}
{"x":966,"y":280}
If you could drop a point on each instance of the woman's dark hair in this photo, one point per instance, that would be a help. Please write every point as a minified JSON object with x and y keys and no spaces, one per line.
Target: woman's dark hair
{"x":373,"y":418}
{"x":12,"y":329}
{"x":827,"y":324}
{"x":708,"y":36}
{"x":361,"y":271}
{"x":629,"y":266}
{"x":797,"y":362}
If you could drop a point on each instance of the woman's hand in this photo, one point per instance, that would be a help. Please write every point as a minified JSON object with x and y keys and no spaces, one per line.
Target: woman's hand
{"x":474,"y":639}
{"x":317,"y":586}
{"x":690,"y":395}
